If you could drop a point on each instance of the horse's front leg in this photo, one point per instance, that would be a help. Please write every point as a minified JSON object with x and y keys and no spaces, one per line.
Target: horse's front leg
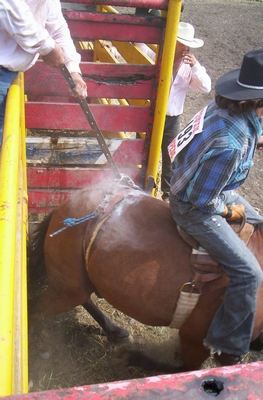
{"x":193,"y":331}
{"x":113,"y":331}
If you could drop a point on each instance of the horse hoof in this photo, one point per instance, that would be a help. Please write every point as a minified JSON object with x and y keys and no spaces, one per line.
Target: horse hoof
{"x":121,"y":357}
{"x":129,"y":340}
{"x":119,"y":334}
{"x":121,"y":339}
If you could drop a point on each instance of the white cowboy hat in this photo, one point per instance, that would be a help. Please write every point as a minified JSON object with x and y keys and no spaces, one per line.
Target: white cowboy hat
{"x":186,"y":33}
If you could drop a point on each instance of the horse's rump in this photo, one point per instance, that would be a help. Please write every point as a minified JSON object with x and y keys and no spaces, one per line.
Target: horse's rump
{"x":138,"y":262}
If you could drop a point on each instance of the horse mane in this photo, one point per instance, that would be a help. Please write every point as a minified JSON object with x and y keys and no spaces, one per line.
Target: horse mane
{"x":36,"y":267}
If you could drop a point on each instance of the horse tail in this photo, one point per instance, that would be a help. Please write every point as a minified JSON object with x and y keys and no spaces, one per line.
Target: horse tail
{"x":36,"y":266}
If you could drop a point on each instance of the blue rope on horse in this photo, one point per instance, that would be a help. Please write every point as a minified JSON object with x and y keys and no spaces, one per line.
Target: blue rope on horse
{"x":69,"y":222}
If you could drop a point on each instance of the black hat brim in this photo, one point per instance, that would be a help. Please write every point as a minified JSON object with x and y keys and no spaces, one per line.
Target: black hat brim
{"x":228,"y":87}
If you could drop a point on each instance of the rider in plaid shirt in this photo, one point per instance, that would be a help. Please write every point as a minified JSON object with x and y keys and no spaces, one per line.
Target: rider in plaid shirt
{"x":213,"y":155}
{"x":219,"y":158}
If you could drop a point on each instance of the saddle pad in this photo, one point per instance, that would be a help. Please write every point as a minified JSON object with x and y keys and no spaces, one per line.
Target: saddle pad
{"x":186,"y":303}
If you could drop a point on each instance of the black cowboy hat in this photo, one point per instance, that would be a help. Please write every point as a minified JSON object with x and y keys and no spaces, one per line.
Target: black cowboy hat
{"x":245,"y":83}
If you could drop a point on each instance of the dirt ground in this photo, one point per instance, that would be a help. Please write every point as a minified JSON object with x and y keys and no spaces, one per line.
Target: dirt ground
{"x":69,"y":349}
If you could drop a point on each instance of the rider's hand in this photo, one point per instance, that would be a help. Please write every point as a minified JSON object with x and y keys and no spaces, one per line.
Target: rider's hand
{"x":234,"y":213}
{"x":189,"y":59}
{"x":80,"y":89}
{"x":55,"y":58}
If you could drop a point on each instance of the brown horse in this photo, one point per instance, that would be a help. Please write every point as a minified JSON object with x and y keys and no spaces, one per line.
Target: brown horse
{"x":130,"y":255}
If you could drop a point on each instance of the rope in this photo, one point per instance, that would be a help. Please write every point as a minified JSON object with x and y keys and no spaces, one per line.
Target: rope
{"x":69,"y":222}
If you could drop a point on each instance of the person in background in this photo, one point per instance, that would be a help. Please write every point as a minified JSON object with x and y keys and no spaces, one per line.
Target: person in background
{"x":187,"y":74}
{"x":29,"y":29}
{"x":212,"y":156}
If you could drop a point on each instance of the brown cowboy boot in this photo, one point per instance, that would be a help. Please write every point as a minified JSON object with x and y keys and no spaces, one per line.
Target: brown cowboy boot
{"x":227,"y":359}
{"x":257,"y":344}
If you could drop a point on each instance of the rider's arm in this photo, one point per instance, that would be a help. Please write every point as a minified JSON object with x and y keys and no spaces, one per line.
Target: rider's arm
{"x":18,"y":22}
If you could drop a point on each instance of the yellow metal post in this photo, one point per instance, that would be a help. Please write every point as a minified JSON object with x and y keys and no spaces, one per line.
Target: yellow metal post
{"x":13,"y":327}
{"x":173,"y":17}
{"x":20,"y":361}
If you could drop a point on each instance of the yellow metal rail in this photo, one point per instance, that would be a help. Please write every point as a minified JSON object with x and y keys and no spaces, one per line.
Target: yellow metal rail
{"x":13,"y":235}
{"x":173,"y":17}
{"x":132,"y":54}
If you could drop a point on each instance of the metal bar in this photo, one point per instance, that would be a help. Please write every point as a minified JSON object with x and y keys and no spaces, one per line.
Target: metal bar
{"x":243,"y":381}
{"x":160,"y":4}
{"x":173,"y":17}
{"x":13,"y":327}
{"x":85,"y":107}
{"x":20,"y":367}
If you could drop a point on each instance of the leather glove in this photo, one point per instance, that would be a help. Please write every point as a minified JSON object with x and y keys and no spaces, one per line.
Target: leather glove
{"x":234,"y":213}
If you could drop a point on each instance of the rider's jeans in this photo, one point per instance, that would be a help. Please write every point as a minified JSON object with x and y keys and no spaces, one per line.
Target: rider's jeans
{"x":232,"y":326}
{"x":6,"y":79}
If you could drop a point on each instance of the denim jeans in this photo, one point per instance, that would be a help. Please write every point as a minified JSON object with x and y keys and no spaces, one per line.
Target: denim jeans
{"x":171,"y":130}
{"x":6,"y":79}
{"x":232,"y":326}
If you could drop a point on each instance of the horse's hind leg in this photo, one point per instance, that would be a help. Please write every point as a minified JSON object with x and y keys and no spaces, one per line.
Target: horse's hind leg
{"x":113,"y":331}
{"x":192,"y":333}
{"x":51,"y":303}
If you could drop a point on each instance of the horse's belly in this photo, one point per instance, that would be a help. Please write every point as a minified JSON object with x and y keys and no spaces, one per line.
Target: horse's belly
{"x":142,"y":287}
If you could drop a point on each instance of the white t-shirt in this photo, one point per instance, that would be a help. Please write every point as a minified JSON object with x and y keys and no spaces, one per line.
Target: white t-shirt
{"x":29,"y":28}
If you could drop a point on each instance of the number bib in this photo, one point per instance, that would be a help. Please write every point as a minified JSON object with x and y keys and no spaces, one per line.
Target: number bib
{"x":193,"y":127}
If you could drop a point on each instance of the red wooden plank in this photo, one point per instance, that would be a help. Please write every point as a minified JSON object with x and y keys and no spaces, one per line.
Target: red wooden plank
{"x":103,"y":80}
{"x":72,"y":178}
{"x":46,"y":200}
{"x":91,"y":30}
{"x":129,"y":152}
{"x":47,"y":188}
{"x":160,"y":4}
{"x":101,"y":71}
{"x":154,"y":24}
{"x":113,"y":118}
{"x":87,"y":55}
{"x":228,"y":383}
{"x":52,"y":99}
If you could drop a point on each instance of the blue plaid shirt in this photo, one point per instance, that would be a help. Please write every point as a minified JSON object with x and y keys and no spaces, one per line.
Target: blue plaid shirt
{"x":217,"y":159}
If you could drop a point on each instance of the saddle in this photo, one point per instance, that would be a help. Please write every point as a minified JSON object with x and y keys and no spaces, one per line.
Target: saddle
{"x":204,"y":267}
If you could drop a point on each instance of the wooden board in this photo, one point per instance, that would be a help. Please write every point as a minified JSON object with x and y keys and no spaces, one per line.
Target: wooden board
{"x":48,"y":187}
{"x":105,"y":80}
{"x":82,"y":151}
{"x":113,"y":118}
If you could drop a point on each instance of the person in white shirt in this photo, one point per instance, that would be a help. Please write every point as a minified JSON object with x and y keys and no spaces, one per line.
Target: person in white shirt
{"x":29,"y":29}
{"x":187,"y":74}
